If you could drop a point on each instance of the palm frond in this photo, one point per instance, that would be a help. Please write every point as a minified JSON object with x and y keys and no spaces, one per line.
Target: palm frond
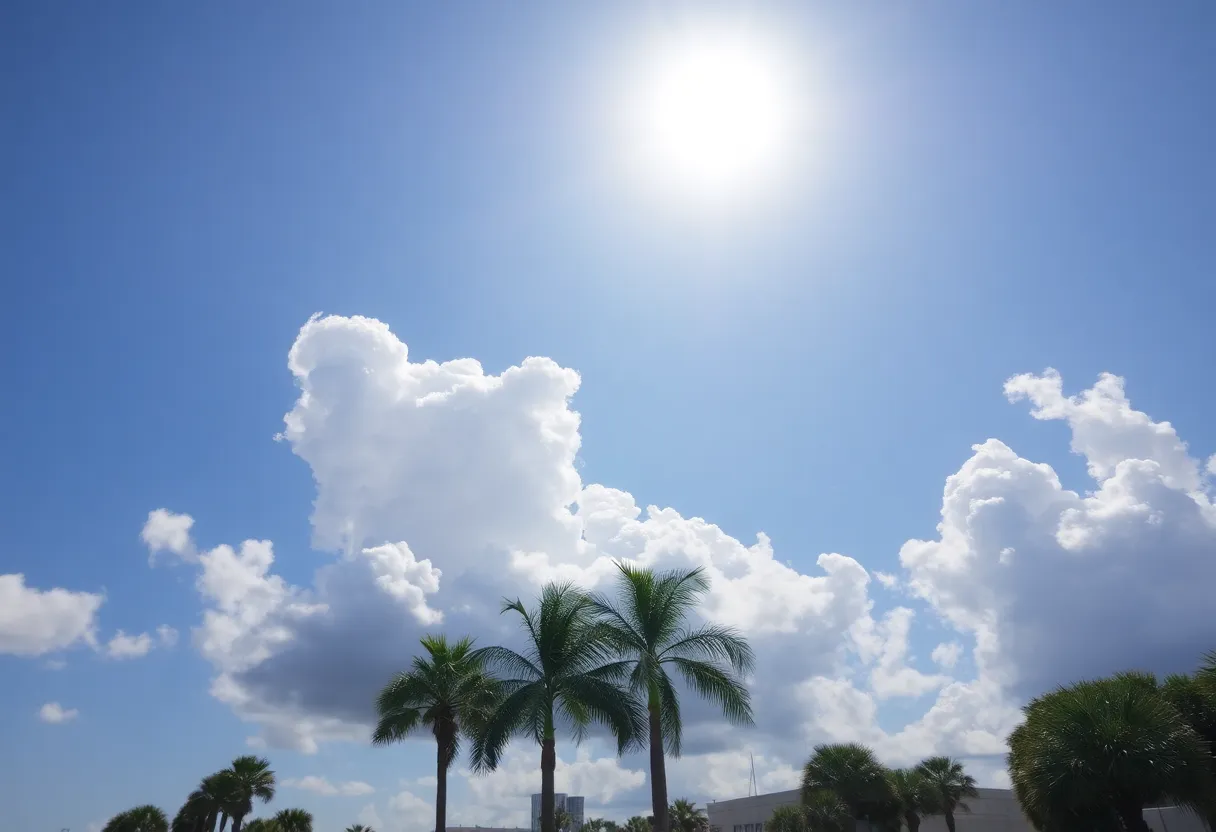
{"x":718,"y":686}
{"x":714,"y":643}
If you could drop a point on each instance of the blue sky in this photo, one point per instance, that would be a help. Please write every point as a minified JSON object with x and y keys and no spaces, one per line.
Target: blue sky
{"x":988,"y":190}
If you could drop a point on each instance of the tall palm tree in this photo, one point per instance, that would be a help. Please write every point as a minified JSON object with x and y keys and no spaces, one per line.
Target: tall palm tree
{"x":140,"y":819}
{"x":205,"y":804}
{"x":446,"y":691}
{"x":293,"y":820}
{"x":853,"y":773}
{"x":637,"y":823}
{"x":1107,"y":746}
{"x":914,"y":796}
{"x":824,"y":811}
{"x":686,"y":817}
{"x":566,"y":674}
{"x":248,"y":777}
{"x":949,"y":783}
{"x":647,"y":626}
{"x":358,"y":827}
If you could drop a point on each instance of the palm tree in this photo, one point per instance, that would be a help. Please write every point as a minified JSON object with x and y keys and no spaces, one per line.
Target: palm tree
{"x":446,"y":691}
{"x":949,"y":783}
{"x":647,"y":627}
{"x":788,"y":818}
{"x":205,"y":804}
{"x":1106,"y":748}
{"x":686,"y":817}
{"x":637,"y":823}
{"x":914,"y":796}
{"x":854,"y":775}
{"x":566,"y":674}
{"x":824,"y":811}
{"x":140,"y":819}
{"x":293,"y":820}
{"x":562,"y":819}
{"x":263,"y":825}
{"x":358,"y":827}
{"x":247,"y":778}
{"x":599,"y":825}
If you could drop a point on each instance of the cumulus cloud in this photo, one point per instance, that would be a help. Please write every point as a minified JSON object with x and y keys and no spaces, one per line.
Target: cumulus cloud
{"x":34,"y":622}
{"x":54,"y":713}
{"x":321,"y":786}
{"x":123,"y":646}
{"x":165,"y":531}
{"x":166,"y":635}
{"x":441,"y":488}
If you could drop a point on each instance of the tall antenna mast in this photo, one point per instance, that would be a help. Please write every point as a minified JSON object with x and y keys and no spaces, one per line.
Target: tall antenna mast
{"x":752,"y":788}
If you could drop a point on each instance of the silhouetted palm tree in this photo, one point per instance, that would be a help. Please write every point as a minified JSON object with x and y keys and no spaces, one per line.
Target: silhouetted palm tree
{"x":788,"y":818}
{"x":950,"y":783}
{"x":566,"y":673}
{"x":637,"y":823}
{"x":854,"y":775}
{"x":446,"y":691}
{"x":648,"y":626}
{"x":824,"y":811}
{"x":1106,"y":747}
{"x":293,"y":820}
{"x":140,"y":819}
{"x":914,"y":795}
{"x":686,"y":817}
{"x":358,"y":827}
{"x":262,"y":825}
{"x":248,"y":777}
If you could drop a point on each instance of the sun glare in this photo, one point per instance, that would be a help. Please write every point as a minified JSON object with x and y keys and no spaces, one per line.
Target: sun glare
{"x":712,"y":114}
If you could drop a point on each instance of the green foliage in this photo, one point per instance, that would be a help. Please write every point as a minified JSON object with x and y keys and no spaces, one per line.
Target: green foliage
{"x":293,"y":820}
{"x":637,"y":823}
{"x":358,"y":827}
{"x":686,"y":817}
{"x":1089,"y":752}
{"x":789,"y":818}
{"x":599,"y":825}
{"x":247,"y":779}
{"x":854,"y":775}
{"x":914,"y":796}
{"x":262,"y":825}
{"x":140,"y":819}
{"x":562,"y":820}
{"x":950,"y":784}
{"x":824,"y":811}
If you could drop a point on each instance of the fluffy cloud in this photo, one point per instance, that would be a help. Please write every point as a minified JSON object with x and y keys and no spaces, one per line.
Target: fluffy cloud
{"x":123,"y":646}
{"x":54,"y":713}
{"x":34,"y":622}
{"x":441,"y":488}
{"x":165,"y":531}
{"x":166,"y":635}
{"x":321,"y":786}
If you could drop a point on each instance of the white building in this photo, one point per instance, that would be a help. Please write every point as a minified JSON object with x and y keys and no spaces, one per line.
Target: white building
{"x":573,"y":805}
{"x":995,"y":810}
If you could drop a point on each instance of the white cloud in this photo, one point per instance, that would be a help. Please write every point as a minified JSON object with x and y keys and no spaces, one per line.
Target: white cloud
{"x":166,"y":635}
{"x":946,"y":655}
{"x":54,"y":713}
{"x":368,"y":816}
{"x":34,"y":622}
{"x":321,"y":786}
{"x":123,"y":646}
{"x":440,"y":488}
{"x":165,"y":531}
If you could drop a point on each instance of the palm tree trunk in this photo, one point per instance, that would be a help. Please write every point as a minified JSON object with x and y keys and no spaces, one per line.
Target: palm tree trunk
{"x":548,"y":764}
{"x":658,"y":767}
{"x":223,"y":820}
{"x":950,"y":818}
{"x":443,"y":758}
{"x":236,"y":822}
{"x":913,"y":821}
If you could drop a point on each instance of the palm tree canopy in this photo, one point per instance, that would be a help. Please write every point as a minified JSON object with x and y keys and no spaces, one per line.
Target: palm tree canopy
{"x":647,"y":625}
{"x":913,"y":792}
{"x":261,"y":825}
{"x":850,"y":771}
{"x":949,"y":781}
{"x":824,"y":811}
{"x":1108,"y":743}
{"x":788,"y":818}
{"x":446,"y":691}
{"x":567,"y":672}
{"x":637,"y":823}
{"x":293,"y":820}
{"x":248,"y":778}
{"x":358,"y":827}
{"x":686,"y":817}
{"x":140,"y":819}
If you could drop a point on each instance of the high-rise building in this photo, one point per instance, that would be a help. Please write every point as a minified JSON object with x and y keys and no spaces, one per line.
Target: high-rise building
{"x":572,"y":804}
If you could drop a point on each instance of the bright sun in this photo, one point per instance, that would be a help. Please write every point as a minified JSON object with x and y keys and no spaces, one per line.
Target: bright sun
{"x":712,"y":114}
